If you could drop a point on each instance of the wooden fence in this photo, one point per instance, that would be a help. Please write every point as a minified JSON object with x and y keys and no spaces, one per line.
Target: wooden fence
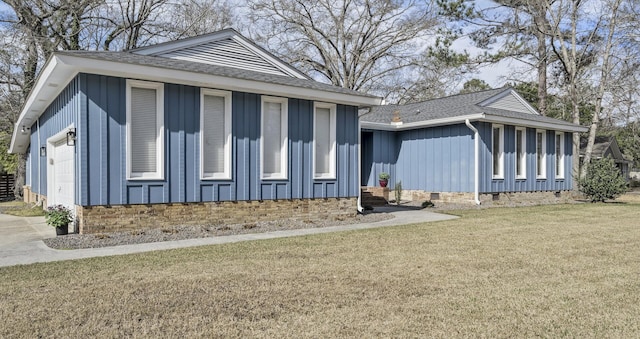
{"x":6,"y":186}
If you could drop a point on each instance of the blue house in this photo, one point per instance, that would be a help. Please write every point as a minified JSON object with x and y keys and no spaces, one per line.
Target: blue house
{"x":210,"y":129}
{"x":475,"y":147}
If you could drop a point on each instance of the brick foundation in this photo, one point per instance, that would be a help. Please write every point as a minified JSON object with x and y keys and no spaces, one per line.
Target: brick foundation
{"x":374,"y":196}
{"x":96,"y":219}
{"x":491,"y":199}
{"x":31,"y":197}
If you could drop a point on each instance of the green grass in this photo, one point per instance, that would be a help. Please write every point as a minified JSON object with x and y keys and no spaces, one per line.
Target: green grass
{"x":21,"y":209}
{"x":548,"y":271}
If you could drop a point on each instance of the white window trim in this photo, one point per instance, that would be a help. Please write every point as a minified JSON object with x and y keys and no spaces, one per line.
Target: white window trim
{"x":159,"y":174}
{"x":226,"y":174}
{"x":500,"y":174}
{"x":332,"y":137}
{"x":523,"y":159}
{"x":543,"y":165}
{"x":560,"y":158}
{"x":284,"y":128}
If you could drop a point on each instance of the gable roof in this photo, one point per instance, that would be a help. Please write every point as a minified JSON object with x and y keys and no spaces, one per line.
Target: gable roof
{"x":62,"y":67}
{"x":223,"y":48}
{"x":501,"y":105}
{"x":604,"y":146}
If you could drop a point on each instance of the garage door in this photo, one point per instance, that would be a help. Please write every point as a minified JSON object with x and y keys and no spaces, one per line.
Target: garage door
{"x":61,"y":184}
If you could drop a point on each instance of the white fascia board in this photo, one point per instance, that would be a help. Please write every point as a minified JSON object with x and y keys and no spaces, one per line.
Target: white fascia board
{"x":166,"y":75}
{"x":53,"y":78}
{"x":534,"y":124}
{"x":420,"y":124}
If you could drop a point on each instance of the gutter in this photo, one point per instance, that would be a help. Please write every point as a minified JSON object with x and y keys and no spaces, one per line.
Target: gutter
{"x":476,"y":162}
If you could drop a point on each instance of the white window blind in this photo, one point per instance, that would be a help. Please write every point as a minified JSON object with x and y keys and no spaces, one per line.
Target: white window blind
{"x":521,"y":153}
{"x":498,"y":152}
{"x":324,"y":141}
{"x":144,"y":130}
{"x":559,"y":156}
{"x":541,"y":162}
{"x":274,"y":138}
{"x":214,"y":135}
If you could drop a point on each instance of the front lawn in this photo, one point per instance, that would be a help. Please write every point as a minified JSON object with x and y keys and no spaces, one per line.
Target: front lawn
{"x":549,"y":271}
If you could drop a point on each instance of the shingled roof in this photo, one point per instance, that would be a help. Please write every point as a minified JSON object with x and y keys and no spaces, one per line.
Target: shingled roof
{"x":459,"y":106}
{"x":197,"y":67}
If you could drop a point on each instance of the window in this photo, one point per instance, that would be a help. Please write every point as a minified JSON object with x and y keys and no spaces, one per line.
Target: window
{"x":498,"y":151}
{"x":215,"y":134}
{"x":324,"y":141}
{"x":541,"y":157}
{"x":521,"y":153}
{"x":559,"y":155}
{"x":274,"y":138}
{"x":145,"y":130}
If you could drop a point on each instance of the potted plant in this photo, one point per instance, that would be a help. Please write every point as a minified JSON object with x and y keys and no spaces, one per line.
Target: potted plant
{"x":59,"y":216}
{"x":384,"y":179}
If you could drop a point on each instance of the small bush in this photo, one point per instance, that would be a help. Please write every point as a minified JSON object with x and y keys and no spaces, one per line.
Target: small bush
{"x":427,"y":203}
{"x":398,"y":192}
{"x":603,"y":181}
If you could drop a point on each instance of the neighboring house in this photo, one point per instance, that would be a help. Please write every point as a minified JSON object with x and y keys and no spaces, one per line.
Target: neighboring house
{"x":206,"y":130}
{"x":468,"y":147}
{"x":605,"y":146}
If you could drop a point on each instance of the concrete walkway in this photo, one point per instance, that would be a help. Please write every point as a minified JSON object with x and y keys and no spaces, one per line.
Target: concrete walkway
{"x":21,"y":238}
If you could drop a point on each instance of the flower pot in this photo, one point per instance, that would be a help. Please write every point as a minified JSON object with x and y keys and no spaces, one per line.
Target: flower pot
{"x":383,"y":183}
{"x":62,"y":230}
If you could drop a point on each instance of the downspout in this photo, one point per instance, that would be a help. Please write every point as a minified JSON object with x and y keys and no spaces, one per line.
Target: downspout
{"x":476,"y":162}
{"x":39,"y":163}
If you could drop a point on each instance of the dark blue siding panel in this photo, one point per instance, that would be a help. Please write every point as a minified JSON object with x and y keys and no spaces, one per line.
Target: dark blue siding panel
{"x":441,"y":159}
{"x":135,"y":194}
{"x":96,"y":105}
{"x":438,"y":159}
{"x":63,"y":112}
{"x":531,"y":183}
{"x":383,"y":155}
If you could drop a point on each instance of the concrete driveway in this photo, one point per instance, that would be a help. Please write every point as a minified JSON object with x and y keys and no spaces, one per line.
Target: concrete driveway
{"x":21,"y":238}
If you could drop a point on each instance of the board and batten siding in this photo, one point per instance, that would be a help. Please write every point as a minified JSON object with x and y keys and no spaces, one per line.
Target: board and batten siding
{"x":437,"y":159}
{"x":61,"y":113}
{"x":531,"y":183}
{"x":441,"y":159}
{"x":103,"y":150}
{"x":379,"y":154}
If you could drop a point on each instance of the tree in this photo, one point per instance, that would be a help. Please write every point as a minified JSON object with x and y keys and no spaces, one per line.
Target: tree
{"x":357,"y":44}
{"x":505,"y":29}
{"x":603,"y":181}
{"x":474,"y":85}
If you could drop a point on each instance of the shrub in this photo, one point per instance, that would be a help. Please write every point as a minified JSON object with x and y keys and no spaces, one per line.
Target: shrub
{"x":603,"y":181}
{"x":427,"y":203}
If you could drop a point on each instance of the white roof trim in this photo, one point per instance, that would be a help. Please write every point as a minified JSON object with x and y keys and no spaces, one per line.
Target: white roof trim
{"x":419,"y":124}
{"x":504,"y":94}
{"x":60,"y":69}
{"x":473,"y":117}
{"x":172,"y":46}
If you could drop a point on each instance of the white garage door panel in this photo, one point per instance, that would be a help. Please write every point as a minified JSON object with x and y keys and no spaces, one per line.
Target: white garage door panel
{"x":63,"y":184}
